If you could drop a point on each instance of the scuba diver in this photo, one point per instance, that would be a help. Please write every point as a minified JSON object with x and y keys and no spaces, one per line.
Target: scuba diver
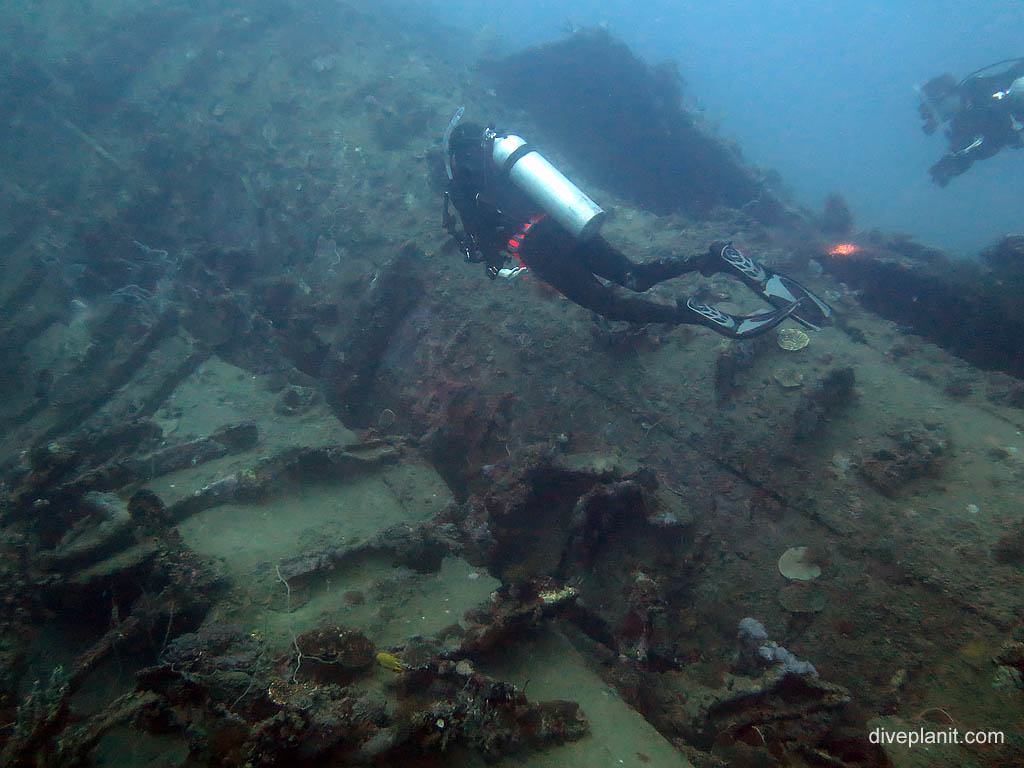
{"x":985,"y":114}
{"x":513,"y":204}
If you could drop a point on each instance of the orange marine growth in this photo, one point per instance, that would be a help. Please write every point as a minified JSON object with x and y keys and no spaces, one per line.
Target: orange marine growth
{"x":843,"y":249}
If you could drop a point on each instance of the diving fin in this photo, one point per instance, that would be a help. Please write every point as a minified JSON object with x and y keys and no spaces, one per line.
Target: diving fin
{"x":740,"y":326}
{"x":779,"y":290}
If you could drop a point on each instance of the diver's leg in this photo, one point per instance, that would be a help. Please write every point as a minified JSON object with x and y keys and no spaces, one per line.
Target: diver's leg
{"x":576,"y":283}
{"x":952,"y":164}
{"x":610,"y":263}
{"x":562,"y":261}
{"x":970,"y":147}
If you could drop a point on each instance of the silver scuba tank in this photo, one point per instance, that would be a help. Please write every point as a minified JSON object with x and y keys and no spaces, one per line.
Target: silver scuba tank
{"x":1016,"y":90}
{"x":548,"y":187}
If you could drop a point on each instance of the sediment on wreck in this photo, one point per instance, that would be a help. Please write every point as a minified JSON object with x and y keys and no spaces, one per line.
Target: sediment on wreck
{"x":352,"y":363}
{"x":972,"y":308}
{"x":529,"y":482}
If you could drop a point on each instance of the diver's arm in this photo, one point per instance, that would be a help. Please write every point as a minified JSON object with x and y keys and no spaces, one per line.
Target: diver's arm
{"x":472,"y":246}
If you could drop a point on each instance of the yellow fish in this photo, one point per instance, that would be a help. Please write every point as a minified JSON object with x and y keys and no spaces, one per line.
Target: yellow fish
{"x":388,"y":661}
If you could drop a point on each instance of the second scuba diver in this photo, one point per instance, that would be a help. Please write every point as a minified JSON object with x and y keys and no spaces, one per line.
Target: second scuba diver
{"x":984,"y":114}
{"x":513,"y":204}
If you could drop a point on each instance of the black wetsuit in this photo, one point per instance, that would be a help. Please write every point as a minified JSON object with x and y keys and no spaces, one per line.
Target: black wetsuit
{"x":570,"y":265}
{"x":500,"y":222}
{"x":982,"y":125}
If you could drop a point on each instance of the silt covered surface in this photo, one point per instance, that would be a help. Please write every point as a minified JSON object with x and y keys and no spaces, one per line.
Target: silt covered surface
{"x":262,"y":424}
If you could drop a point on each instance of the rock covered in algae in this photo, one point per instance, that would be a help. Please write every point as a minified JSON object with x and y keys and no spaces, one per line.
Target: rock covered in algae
{"x":801,"y":598}
{"x":794,"y":565}
{"x":788,"y":377}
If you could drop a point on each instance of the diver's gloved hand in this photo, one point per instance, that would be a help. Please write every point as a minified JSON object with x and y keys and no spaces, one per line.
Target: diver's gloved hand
{"x":779,"y":290}
{"x":737,"y":326}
